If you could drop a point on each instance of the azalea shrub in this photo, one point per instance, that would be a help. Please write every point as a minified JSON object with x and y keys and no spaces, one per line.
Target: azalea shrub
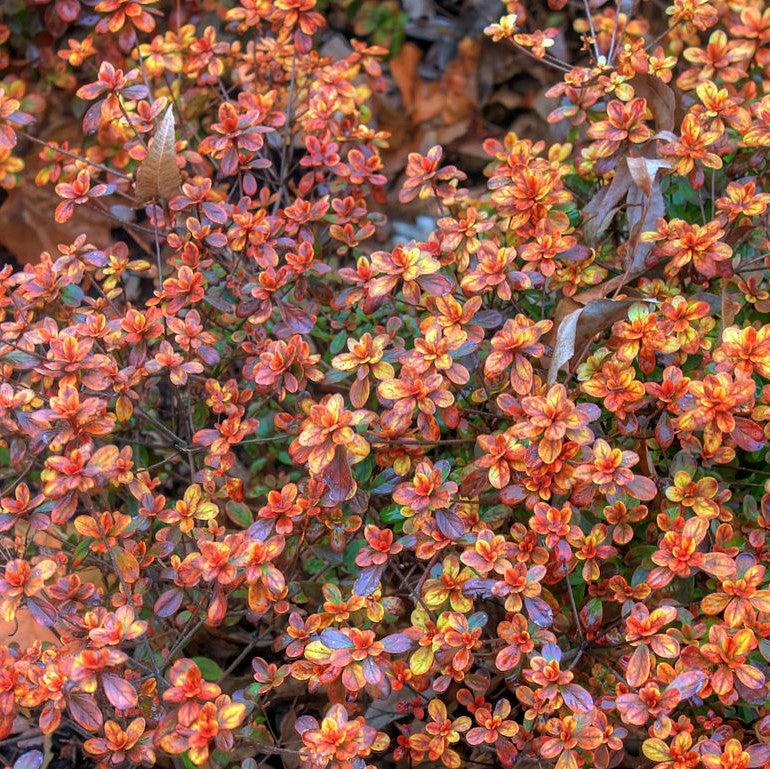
{"x":280,"y":490}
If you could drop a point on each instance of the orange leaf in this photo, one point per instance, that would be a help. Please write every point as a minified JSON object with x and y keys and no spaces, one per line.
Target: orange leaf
{"x":128,"y":566}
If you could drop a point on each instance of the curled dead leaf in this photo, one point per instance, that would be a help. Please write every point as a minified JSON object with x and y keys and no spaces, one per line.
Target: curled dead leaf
{"x":644,"y":170}
{"x":581,"y":325}
{"x":660,"y":99}
{"x":158,"y":175}
{"x":599,"y":211}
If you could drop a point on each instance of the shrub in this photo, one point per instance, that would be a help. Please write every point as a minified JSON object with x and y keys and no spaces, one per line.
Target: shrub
{"x":279,"y":490}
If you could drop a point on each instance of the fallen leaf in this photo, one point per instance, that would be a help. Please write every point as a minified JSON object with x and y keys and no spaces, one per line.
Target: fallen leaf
{"x":644,"y":170}
{"x":598,"y":212}
{"x":728,"y":308}
{"x":580,"y":326}
{"x":660,"y":99}
{"x":382,"y":713}
{"x":158,"y":175}
{"x":431,"y":112}
{"x":645,"y":205}
{"x":403,"y":68}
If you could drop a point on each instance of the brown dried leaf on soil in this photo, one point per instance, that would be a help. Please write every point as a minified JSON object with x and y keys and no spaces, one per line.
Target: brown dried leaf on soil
{"x":27,"y":224}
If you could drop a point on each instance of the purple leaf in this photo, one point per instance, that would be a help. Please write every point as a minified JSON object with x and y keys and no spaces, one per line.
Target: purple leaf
{"x":747,"y":434}
{"x":304,"y":723}
{"x":215,"y":212}
{"x":551,"y":652}
{"x":208,"y":354}
{"x":396,"y":643}
{"x":120,"y":692}
{"x":488,"y":318}
{"x":539,"y":611}
{"x":435,"y":284}
{"x":577,"y":699}
{"x":372,"y":672}
{"x":134,"y":92}
{"x":688,"y":684}
{"x":84,"y":709}
{"x":43,"y":612}
{"x":297,"y":319}
{"x":32,"y":759}
{"x":479,"y":588}
{"x":449,"y":524}
{"x":759,"y":755}
{"x":334,"y":639}
{"x":168,"y":602}
{"x":368,"y":580}
{"x":260,"y":530}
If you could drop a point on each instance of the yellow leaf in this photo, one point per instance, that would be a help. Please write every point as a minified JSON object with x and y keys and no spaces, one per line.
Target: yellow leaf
{"x":315,"y":651}
{"x":656,"y":750}
{"x":421,"y":661}
{"x":124,"y":409}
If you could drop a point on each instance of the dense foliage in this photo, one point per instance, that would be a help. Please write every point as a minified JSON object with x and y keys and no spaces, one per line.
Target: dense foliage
{"x":279,"y":491}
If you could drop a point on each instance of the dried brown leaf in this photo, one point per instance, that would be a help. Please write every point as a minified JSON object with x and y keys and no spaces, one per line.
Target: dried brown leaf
{"x":289,"y":740}
{"x":644,"y":170}
{"x":580,"y":326}
{"x":27,"y":224}
{"x":660,"y":99}
{"x":158,"y":174}
{"x":598,"y":212}
{"x":25,"y":630}
{"x":403,"y":68}
{"x":645,"y":206}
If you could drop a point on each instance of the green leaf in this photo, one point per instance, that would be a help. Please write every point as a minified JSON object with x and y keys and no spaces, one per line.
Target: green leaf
{"x":72,"y":295}
{"x":82,"y":548}
{"x":338,"y":342}
{"x":391,"y":514}
{"x":351,"y":551}
{"x":363,"y":470}
{"x":209,"y":669}
{"x":313,"y":565}
{"x":200,"y":414}
{"x":239,"y":514}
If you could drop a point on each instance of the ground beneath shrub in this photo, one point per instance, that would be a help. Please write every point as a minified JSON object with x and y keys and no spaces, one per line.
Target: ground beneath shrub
{"x":60,"y":750}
